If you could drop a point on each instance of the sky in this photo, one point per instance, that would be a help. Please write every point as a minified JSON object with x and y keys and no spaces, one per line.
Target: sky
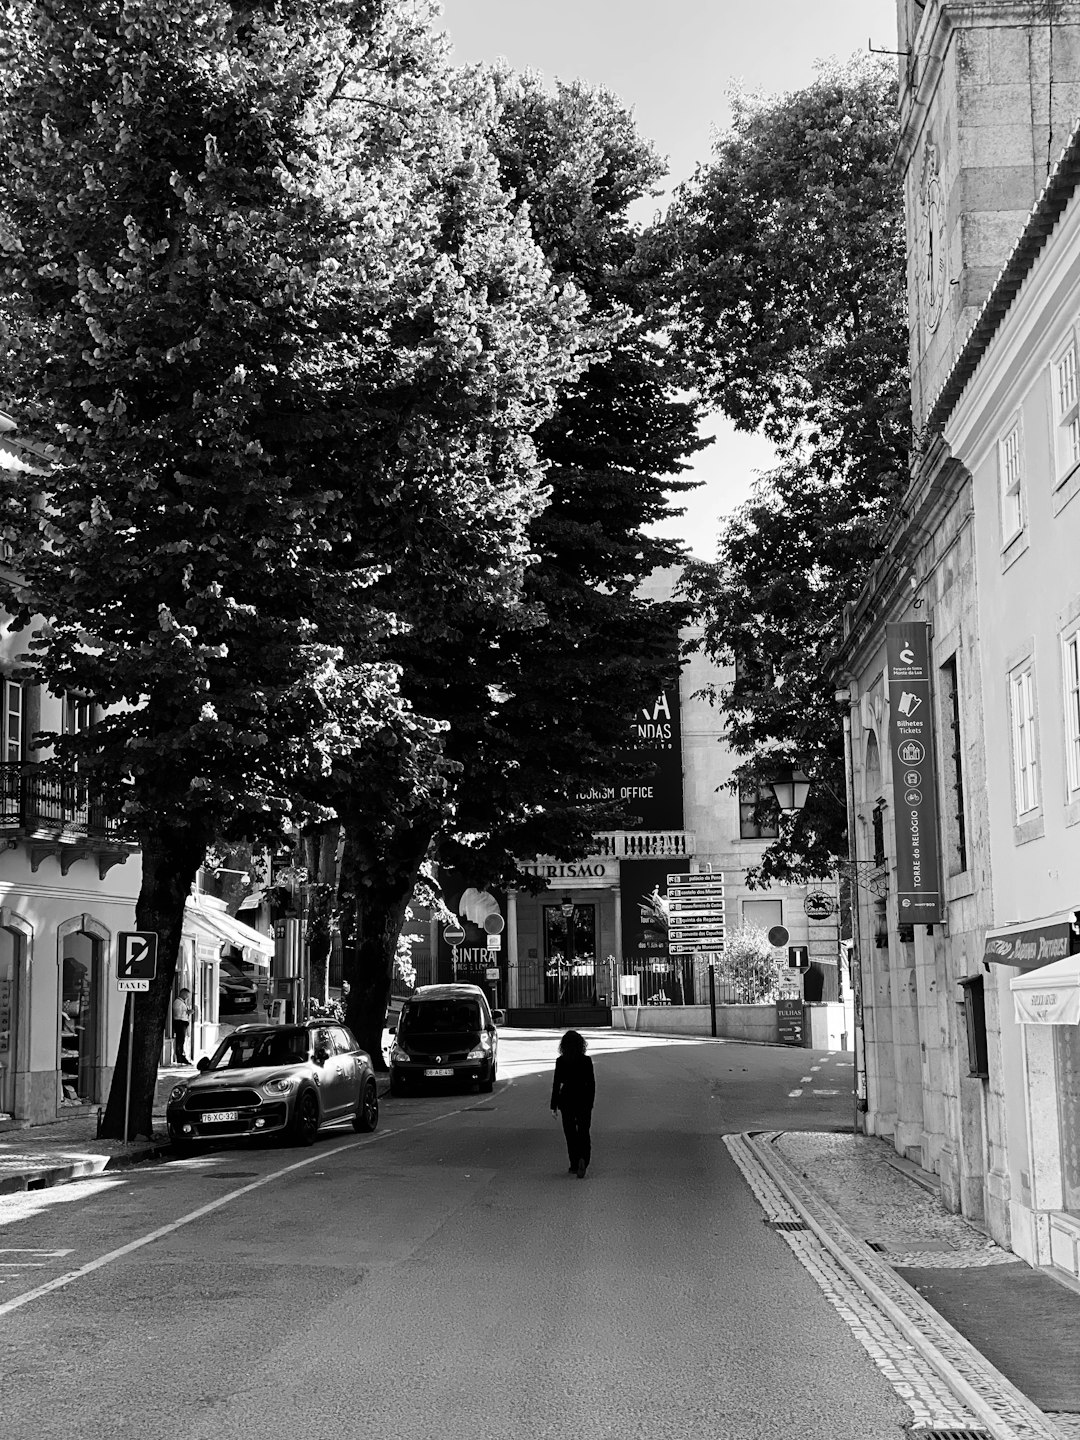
{"x":673,"y":62}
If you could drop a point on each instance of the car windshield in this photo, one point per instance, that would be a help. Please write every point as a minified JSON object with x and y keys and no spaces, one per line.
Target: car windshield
{"x":435,"y":1017}
{"x":275,"y":1047}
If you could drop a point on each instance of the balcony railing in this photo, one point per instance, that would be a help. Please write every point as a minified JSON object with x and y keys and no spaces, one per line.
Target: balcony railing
{"x":644,"y":844}
{"x":34,"y":801}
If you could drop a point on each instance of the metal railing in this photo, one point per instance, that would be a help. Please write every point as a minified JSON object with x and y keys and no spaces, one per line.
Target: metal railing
{"x":643,"y":844}
{"x":35,"y":800}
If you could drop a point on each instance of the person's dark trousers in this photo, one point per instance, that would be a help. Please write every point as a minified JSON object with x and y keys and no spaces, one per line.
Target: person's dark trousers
{"x":179,"y":1035}
{"x":575,"y":1124}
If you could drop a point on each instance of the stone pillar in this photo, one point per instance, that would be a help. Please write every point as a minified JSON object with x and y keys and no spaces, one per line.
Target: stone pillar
{"x":513,"y":987}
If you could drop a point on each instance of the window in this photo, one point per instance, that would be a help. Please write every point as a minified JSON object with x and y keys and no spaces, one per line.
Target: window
{"x":878,"y":821}
{"x":757,"y":823}
{"x":1071,"y":686}
{"x":975,"y":1024}
{"x":1066,"y":412}
{"x":13,"y":722}
{"x":1025,"y":761}
{"x":77,"y":714}
{"x":954,"y":757}
{"x":1010,"y":472}
{"x":763,"y":913}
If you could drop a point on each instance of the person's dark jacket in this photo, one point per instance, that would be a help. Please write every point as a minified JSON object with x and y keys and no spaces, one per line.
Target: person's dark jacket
{"x":574,"y":1086}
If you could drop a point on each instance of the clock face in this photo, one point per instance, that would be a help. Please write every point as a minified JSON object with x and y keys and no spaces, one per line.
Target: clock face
{"x":934,"y":276}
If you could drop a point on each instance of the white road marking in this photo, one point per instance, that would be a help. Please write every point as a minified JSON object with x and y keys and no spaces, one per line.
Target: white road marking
{"x":7,"y":1306}
{"x":805,"y":1079}
{"x":792,"y":1094}
{"x":29,"y":1250}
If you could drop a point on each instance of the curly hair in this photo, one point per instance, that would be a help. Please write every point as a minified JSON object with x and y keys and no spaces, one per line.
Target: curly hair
{"x":572,"y":1043}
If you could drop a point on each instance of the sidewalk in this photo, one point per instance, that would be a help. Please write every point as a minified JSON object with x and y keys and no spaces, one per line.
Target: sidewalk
{"x":975,"y":1340}
{"x":38,"y":1156}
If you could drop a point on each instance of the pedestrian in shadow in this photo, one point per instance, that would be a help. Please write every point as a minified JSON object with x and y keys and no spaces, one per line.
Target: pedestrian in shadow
{"x":573,"y":1092}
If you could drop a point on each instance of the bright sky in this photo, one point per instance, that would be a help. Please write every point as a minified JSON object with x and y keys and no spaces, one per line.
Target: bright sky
{"x":674,"y":61}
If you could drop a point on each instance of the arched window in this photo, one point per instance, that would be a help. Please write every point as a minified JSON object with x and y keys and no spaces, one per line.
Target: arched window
{"x":16,"y":937}
{"x":872,"y":769}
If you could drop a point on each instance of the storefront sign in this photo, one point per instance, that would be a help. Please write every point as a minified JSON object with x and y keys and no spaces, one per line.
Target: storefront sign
{"x":789,"y":1020}
{"x":911,"y":741}
{"x":1052,"y":1005}
{"x":1029,"y":946}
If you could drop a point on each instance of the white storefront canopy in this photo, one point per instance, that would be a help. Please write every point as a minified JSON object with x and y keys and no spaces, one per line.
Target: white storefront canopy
{"x":1049,"y":995}
{"x":257,"y":948}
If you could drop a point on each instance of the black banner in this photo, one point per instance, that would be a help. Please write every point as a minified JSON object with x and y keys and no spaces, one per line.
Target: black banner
{"x":655,"y":800}
{"x":911,"y":741}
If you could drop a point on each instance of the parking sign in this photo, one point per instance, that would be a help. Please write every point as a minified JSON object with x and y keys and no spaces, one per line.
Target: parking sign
{"x":136,"y":959}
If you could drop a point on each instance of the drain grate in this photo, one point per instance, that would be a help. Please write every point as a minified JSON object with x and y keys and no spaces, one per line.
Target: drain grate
{"x":788,"y":1224}
{"x":951,"y":1434}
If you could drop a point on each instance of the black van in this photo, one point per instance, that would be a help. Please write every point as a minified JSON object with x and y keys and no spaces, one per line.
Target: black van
{"x":445,"y":1034}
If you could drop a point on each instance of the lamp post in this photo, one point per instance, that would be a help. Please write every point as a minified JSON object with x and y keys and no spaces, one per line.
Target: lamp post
{"x":791,"y":788}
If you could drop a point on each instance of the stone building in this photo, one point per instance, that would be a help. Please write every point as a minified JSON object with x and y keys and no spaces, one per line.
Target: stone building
{"x":988,"y":95}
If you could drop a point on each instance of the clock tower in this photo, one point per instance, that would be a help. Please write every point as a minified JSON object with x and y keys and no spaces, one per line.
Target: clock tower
{"x":988,"y":98}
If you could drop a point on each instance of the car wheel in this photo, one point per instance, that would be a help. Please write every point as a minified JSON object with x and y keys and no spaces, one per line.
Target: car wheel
{"x":306,"y":1119}
{"x":489,"y":1083}
{"x":397,"y":1086}
{"x":367,"y":1115}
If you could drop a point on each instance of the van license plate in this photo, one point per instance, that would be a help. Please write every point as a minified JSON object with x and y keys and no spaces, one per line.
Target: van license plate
{"x":441,"y":1074}
{"x":219,"y":1117}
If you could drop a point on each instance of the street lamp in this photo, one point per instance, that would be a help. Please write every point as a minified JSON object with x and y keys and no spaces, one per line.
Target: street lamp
{"x":791,"y":788}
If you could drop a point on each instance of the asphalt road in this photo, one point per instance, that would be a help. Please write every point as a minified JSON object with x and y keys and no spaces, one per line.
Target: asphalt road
{"x":447,"y":1277}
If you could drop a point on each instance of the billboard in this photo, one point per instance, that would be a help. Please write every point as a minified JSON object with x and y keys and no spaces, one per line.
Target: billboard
{"x":655,"y":799}
{"x":911,"y":744}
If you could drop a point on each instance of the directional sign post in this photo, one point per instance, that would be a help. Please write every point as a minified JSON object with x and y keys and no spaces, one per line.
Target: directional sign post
{"x":136,"y":966}
{"x":695,"y":913}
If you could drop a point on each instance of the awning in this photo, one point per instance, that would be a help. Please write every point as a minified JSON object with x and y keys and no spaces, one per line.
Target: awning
{"x":257,"y":948}
{"x":1034,"y":944}
{"x":1049,"y":995}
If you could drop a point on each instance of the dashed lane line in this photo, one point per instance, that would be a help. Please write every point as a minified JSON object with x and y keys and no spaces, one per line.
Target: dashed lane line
{"x":59,"y":1281}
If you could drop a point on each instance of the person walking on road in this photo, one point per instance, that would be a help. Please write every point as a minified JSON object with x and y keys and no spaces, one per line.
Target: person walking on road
{"x":181,"y":1019}
{"x":573,"y":1092}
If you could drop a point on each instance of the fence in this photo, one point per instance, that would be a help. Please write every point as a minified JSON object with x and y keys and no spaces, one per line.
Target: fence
{"x":35,"y":799}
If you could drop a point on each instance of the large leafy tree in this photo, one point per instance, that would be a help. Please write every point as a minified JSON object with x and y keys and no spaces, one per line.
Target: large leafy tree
{"x":785,"y":257}
{"x":268,"y":299}
{"x":536,"y":702}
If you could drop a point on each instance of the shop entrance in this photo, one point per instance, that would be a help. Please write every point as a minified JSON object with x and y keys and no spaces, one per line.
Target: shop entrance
{"x":569,"y":955}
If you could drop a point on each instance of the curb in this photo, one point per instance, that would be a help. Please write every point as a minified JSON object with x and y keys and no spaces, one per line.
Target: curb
{"x":915,"y":1318}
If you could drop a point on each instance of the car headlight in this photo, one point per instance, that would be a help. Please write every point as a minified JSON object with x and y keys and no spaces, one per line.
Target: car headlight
{"x":398,"y":1056}
{"x":178,"y":1094}
{"x":281,"y":1084}
{"x":480,"y":1052}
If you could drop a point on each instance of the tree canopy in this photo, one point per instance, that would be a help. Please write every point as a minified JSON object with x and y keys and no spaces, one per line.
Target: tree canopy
{"x":785,"y":259}
{"x":266,"y":296}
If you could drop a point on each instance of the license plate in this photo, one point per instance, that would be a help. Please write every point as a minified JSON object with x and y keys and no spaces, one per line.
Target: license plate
{"x":441,"y":1074}
{"x":218,"y":1117}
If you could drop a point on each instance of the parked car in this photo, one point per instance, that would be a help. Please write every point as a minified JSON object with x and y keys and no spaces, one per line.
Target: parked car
{"x":236,"y":989}
{"x":276,"y":1079}
{"x":445,"y":1033}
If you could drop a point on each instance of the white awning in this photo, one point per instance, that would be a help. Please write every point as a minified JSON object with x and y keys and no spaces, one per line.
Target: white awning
{"x":1049,"y":995}
{"x":257,"y":948}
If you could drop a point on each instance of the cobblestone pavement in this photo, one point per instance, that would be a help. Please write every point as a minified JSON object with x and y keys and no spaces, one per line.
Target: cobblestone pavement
{"x":805,"y":1182}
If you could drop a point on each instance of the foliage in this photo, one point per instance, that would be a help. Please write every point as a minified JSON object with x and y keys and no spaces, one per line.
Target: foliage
{"x":266,"y":296}
{"x":785,"y":256}
{"x":750,"y":966}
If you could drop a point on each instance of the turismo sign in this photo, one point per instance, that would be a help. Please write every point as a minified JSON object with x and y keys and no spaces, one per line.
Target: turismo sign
{"x":911,"y":741}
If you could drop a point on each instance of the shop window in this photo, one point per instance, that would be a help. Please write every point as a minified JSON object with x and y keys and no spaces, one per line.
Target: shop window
{"x":11,"y":949}
{"x":1066,"y":413}
{"x":975,"y":1023}
{"x":955,"y":822}
{"x":1067,"y":1076}
{"x":1071,"y":690}
{"x":759,"y":818}
{"x":79,"y":1021}
{"x":1010,"y":474}
{"x":1025,"y":757}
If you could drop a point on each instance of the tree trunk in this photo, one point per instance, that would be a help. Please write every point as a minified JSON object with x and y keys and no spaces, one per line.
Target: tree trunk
{"x":170,"y":862}
{"x":321,"y":863}
{"x":372,"y":923}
